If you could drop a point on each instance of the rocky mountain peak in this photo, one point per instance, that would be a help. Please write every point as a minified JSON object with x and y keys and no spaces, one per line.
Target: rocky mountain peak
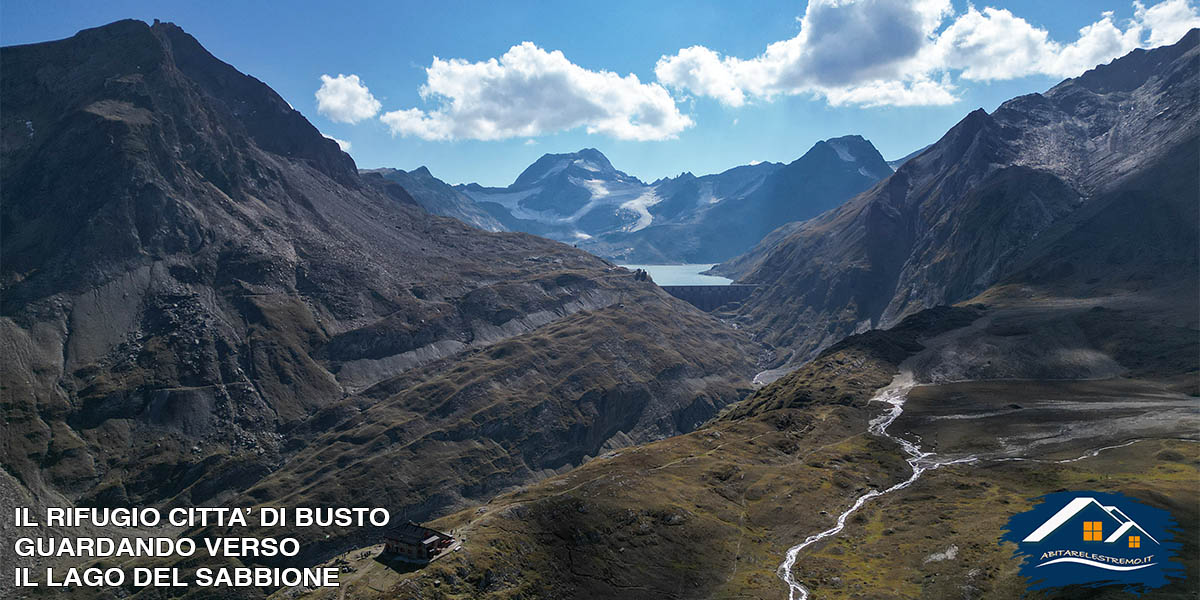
{"x":270,"y":121}
{"x":849,"y":152}
{"x":596,"y":157}
{"x":1132,"y":70}
{"x":588,"y":163}
{"x":857,"y":150}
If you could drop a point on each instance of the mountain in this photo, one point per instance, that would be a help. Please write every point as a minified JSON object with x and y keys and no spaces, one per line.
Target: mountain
{"x":563,"y":196}
{"x":580,"y":198}
{"x":895,"y":164}
{"x":1091,"y":186}
{"x":201,"y":296}
{"x":1064,"y":227}
{"x":434,"y":195}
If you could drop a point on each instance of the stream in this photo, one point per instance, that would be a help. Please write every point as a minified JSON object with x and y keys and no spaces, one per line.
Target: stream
{"x":920,"y":461}
{"x":894,"y":396}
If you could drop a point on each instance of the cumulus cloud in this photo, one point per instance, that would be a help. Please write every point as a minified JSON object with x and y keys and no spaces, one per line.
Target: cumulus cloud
{"x":904,"y":53}
{"x":343,"y":144}
{"x":995,"y":44}
{"x":346,"y":99}
{"x":1167,"y":21}
{"x":847,"y":52}
{"x":704,"y":72}
{"x":529,"y":92}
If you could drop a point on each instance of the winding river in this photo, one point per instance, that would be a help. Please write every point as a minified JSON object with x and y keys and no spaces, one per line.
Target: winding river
{"x":894,"y":396}
{"x":920,"y":461}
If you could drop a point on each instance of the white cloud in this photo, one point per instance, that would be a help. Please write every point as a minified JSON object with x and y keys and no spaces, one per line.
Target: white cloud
{"x":847,"y":52}
{"x":530,"y":142}
{"x":343,"y":144}
{"x":995,"y":44}
{"x":529,"y":92}
{"x":1167,"y":21}
{"x":902,"y":53}
{"x":919,"y":91}
{"x":345,"y":99}
{"x":703,"y":72}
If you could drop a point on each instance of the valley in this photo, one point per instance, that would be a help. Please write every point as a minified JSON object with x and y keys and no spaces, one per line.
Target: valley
{"x":882,"y":463}
{"x":832,"y":378}
{"x":830,"y":485}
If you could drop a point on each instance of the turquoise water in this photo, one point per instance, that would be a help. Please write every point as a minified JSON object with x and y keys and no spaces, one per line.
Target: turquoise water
{"x":681,"y":274}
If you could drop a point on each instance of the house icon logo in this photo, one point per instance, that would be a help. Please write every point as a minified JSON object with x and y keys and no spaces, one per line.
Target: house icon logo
{"x":1095,"y":539}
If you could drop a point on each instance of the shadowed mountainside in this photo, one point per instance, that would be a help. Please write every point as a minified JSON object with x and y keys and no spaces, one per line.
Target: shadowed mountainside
{"x":434,"y":195}
{"x":1091,"y":185}
{"x":198,"y":287}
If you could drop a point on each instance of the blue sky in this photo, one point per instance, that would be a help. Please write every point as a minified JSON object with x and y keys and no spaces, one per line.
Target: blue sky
{"x":726,"y":101}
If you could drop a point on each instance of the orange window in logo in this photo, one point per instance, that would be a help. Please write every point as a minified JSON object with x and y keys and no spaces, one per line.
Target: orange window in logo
{"x":1093,"y":531}
{"x":1135,"y":541}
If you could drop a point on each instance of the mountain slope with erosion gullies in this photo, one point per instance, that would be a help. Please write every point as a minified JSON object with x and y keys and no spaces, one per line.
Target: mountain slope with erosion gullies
{"x":199,"y":290}
{"x":1091,"y":185}
{"x":1010,"y":402}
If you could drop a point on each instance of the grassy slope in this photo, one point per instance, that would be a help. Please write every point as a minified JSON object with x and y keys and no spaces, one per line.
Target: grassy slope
{"x":459,"y":431}
{"x":710,"y":514}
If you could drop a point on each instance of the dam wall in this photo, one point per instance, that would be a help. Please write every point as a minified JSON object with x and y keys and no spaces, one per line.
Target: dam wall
{"x":710,"y":297}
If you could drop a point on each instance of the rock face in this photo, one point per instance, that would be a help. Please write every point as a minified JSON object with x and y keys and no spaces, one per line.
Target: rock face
{"x":581,"y":199}
{"x":434,"y":195}
{"x":1087,"y":189}
{"x":197,"y":286}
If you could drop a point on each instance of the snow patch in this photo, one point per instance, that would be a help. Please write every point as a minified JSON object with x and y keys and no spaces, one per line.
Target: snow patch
{"x":635,"y":197}
{"x":641,"y":205}
{"x":842,"y":152}
{"x":597,"y":188}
